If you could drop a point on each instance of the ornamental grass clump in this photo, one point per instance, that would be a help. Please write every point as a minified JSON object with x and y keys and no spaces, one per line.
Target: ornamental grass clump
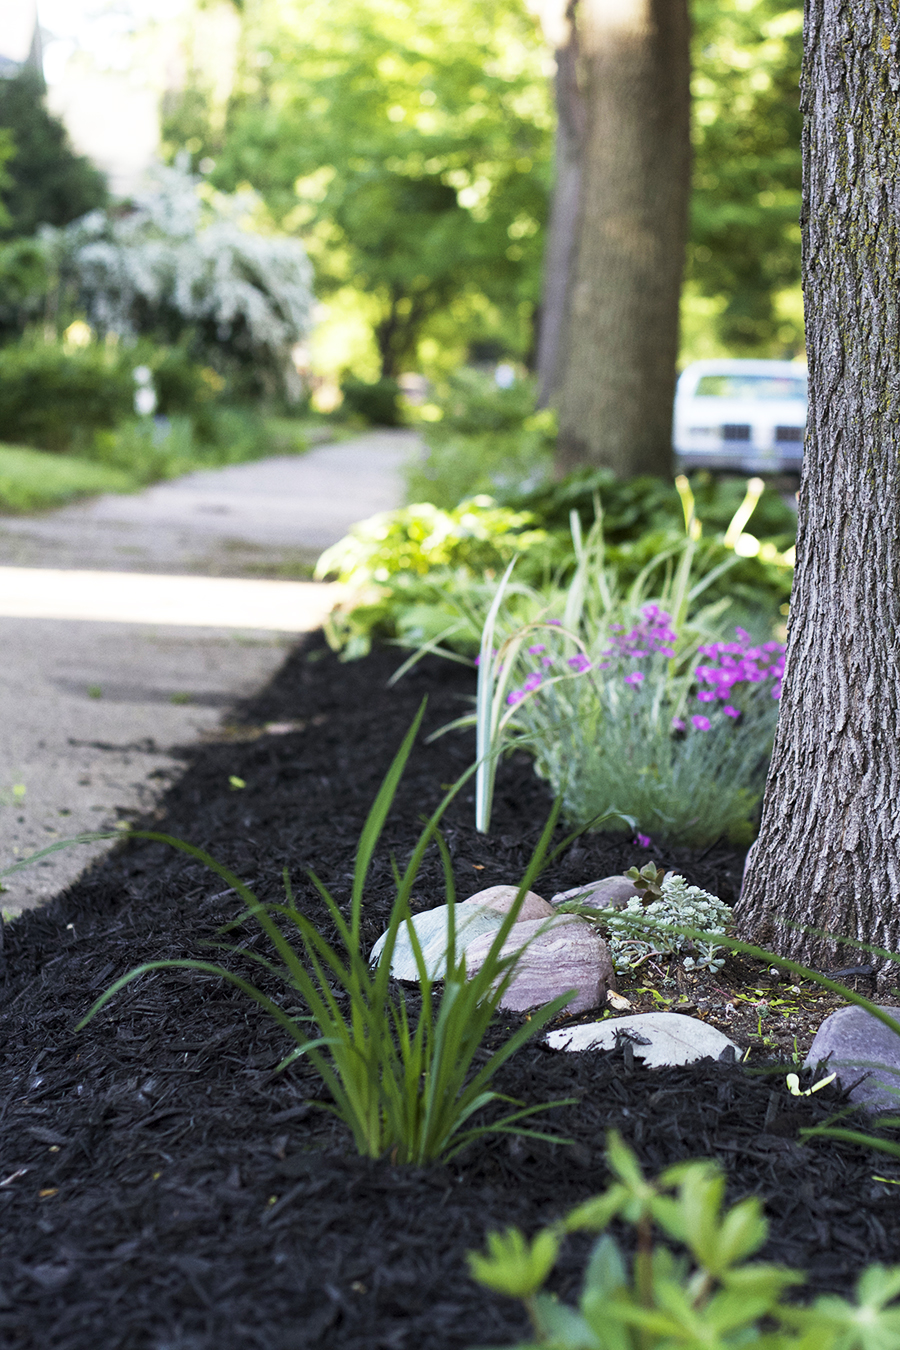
{"x":407,"y":1073}
{"x":635,"y":707}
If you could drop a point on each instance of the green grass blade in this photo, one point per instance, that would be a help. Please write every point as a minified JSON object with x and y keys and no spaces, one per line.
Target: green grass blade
{"x":375,"y":821}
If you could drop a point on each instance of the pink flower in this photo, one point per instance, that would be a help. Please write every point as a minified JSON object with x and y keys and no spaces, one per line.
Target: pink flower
{"x":706,"y":696}
{"x":579,"y":663}
{"x":516,"y":696}
{"x":537,"y":649}
{"x":701,"y":723}
{"x":731,"y":712}
{"x":533,"y":682}
{"x":635,"y":677}
{"x":642,"y":840}
{"x":679,"y":724}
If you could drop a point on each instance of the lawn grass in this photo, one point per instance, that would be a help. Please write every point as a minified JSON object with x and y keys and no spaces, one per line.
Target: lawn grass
{"x":133,"y":456}
{"x":33,"y":480}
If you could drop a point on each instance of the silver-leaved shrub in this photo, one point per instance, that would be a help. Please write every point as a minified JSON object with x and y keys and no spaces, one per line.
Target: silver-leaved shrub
{"x":185,"y":257}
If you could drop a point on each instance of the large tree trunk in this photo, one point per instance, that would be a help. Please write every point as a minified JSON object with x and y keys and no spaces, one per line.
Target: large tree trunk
{"x":828,"y":854}
{"x":563,"y":225}
{"x":620,"y":335}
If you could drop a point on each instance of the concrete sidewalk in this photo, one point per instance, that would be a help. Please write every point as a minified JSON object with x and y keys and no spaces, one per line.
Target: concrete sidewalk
{"x":105,"y":673}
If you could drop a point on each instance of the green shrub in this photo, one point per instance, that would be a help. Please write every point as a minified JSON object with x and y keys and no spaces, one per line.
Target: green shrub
{"x":169,"y":447}
{"x":488,"y":440}
{"x":56,"y":397}
{"x":378,"y":404}
{"x":471,"y":402}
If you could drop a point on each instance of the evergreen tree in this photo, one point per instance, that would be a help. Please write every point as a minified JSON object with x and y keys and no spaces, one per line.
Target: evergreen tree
{"x":45,"y":182}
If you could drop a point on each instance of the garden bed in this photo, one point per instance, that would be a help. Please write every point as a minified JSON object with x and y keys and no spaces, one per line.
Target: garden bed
{"x":162,"y":1189}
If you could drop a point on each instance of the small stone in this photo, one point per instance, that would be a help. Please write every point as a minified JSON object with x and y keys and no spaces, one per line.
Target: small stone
{"x":864,"y":1053}
{"x":607,"y":893}
{"x":558,"y":954}
{"x":482,"y":914}
{"x":618,"y":1002}
{"x":659,"y":1039}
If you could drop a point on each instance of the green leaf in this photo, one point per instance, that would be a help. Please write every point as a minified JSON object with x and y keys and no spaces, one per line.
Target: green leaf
{"x":561,"y":1326}
{"x":513,"y":1265}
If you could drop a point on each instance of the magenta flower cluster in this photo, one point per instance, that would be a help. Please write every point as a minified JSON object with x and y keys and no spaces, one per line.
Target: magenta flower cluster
{"x":653,"y":634}
{"x":729,"y":664}
{"x":726,"y":665}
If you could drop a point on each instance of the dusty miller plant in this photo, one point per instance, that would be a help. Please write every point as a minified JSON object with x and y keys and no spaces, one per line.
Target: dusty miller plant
{"x":648,"y":924}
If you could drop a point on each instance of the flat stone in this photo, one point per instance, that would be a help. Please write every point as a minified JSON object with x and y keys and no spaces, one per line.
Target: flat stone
{"x":607,"y":893}
{"x":480,"y":915}
{"x":557,"y":955}
{"x":864,"y":1053}
{"x":659,"y":1039}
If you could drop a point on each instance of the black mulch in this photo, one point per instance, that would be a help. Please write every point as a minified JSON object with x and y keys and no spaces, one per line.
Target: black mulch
{"x":162,"y":1189}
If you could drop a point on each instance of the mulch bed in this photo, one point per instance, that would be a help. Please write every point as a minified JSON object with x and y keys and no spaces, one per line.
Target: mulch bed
{"x":162,"y":1189}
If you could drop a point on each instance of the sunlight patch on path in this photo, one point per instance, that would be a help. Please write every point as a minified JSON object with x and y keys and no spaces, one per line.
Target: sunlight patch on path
{"x":135,"y":597}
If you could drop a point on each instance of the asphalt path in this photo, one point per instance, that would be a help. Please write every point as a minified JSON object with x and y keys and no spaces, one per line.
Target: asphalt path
{"x":131,"y":624}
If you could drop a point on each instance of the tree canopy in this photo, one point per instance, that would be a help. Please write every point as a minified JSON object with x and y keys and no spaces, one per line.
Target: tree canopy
{"x":44,"y":182}
{"x":744,"y":247}
{"x":410,"y":145}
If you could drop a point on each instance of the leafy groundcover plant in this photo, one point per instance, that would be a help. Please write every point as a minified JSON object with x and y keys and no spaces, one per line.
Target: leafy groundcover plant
{"x":696,"y":1290}
{"x":406,"y":1084}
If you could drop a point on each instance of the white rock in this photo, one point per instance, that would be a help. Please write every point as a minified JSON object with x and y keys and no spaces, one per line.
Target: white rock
{"x":557,"y":955}
{"x":659,"y":1039}
{"x":480,"y":915}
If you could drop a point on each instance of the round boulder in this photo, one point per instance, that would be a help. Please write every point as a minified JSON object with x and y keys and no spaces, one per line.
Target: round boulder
{"x":556,"y":955}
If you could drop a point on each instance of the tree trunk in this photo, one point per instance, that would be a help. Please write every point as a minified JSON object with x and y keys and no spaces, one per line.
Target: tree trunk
{"x":620,"y":341}
{"x":563,"y":224}
{"x":828,"y":854}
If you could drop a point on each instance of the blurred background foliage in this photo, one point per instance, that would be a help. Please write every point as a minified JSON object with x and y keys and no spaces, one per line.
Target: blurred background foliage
{"x":408,"y":150}
{"x":411,"y":148}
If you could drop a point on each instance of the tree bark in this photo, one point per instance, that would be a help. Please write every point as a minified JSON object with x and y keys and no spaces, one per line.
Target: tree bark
{"x":619,"y":341}
{"x":563,"y":223}
{"x":828,"y":853}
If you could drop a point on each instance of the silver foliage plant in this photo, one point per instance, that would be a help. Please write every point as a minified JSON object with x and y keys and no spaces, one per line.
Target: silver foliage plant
{"x":680,"y":906}
{"x":187,"y":250}
{"x":645,"y":927}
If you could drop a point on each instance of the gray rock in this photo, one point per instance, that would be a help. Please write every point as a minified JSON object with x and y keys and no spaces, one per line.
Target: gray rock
{"x":557,"y":955}
{"x":659,"y":1039}
{"x":607,"y":893}
{"x":856,"y":1046}
{"x":480,"y":915}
